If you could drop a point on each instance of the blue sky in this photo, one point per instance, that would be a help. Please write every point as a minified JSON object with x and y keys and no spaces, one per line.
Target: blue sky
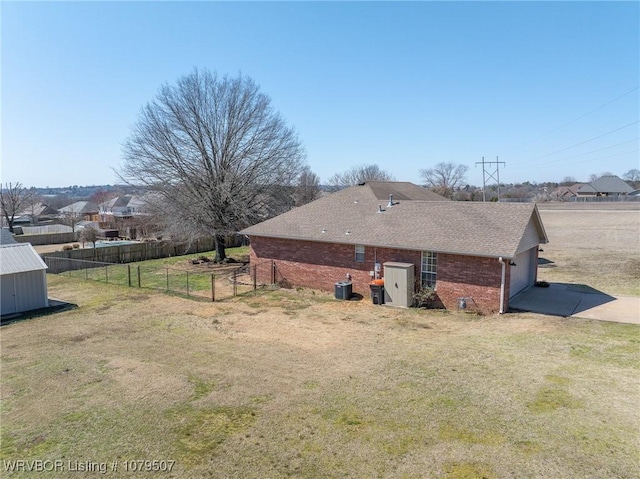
{"x":551,"y":88}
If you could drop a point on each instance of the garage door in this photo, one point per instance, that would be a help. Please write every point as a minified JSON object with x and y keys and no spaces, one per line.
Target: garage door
{"x":522,"y":274}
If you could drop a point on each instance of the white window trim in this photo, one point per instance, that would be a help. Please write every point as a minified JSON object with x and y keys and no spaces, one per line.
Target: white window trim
{"x":359,"y":253}
{"x":431,"y":268}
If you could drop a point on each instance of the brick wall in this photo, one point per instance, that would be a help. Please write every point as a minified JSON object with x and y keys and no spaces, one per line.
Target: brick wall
{"x":321,"y":265}
{"x":472,"y":277}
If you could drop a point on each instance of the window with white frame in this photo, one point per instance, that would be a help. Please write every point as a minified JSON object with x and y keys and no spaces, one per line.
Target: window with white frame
{"x":360,"y":253}
{"x":429,"y":269}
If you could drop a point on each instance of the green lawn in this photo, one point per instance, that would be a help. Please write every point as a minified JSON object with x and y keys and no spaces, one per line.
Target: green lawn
{"x":170,"y":274}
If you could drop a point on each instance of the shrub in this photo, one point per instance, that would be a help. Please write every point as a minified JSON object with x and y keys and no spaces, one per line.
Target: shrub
{"x":424,"y":298}
{"x":67,"y":247}
{"x":76,"y":246}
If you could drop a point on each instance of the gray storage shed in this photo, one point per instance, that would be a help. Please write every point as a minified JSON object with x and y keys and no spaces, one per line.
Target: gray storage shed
{"x":398,"y":284}
{"x":23,"y":279}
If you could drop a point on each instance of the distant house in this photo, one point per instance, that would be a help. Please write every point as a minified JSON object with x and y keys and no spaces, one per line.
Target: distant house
{"x":125,"y":213}
{"x":85,"y":210}
{"x":23,"y":279}
{"x":566,"y":193}
{"x":478,"y":254}
{"x":609,"y":185}
{"x":38,"y":213}
{"x":116,"y":207}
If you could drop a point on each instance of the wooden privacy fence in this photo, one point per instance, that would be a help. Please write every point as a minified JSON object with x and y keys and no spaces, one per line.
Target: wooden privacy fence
{"x":130,"y":253}
{"x":46,"y":238}
{"x":242,"y":280}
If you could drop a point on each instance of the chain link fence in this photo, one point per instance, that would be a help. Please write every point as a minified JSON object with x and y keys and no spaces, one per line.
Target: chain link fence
{"x":206,"y":285}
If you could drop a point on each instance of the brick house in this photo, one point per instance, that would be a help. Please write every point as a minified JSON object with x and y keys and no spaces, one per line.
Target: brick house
{"x":483,"y":252}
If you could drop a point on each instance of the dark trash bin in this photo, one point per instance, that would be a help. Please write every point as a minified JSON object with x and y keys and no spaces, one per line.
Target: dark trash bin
{"x":377,"y":293}
{"x":343,"y":290}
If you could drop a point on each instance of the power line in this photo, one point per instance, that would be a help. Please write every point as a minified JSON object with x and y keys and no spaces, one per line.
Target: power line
{"x":585,"y":141}
{"x":600,"y":158}
{"x":581,"y":116}
{"x":587,"y":152}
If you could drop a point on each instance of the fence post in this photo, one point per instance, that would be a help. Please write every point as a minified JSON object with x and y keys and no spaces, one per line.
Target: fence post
{"x":213,"y":288}
{"x":273,"y":272}
{"x":139,"y":277}
{"x":235,"y":283}
{"x":167,"y":279}
{"x":255,"y":278}
{"x":106,"y":274}
{"x":187,"y":283}
{"x":86,"y":273}
{"x":129,"y":274}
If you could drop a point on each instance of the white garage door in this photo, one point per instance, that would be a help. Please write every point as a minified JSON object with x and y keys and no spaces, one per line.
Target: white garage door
{"x":522,"y":274}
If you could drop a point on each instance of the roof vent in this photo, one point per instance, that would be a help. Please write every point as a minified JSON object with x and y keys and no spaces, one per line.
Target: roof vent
{"x":324,"y":230}
{"x":390,"y":201}
{"x":380,"y":210}
{"x":348,"y":232}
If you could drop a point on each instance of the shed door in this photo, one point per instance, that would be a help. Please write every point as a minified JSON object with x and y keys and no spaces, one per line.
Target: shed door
{"x":7,"y":294}
{"x":398,"y":284}
{"x":522,"y":274}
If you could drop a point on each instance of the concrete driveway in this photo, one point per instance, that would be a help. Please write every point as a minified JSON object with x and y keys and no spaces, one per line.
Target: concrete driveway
{"x":578,"y":301}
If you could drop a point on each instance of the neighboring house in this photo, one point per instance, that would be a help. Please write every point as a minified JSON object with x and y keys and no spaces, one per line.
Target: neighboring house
{"x":38,"y":213}
{"x":116,"y":207}
{"x":124,"y":213}
{"x":23,"y":279}
{"x":124,"y":206}
{"x":610,"y":185}
{"x":85,"y":210}
{"x":566,"y":193}
{"x":483,"y":252}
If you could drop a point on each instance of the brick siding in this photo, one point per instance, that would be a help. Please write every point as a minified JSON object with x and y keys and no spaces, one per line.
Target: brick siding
{"x":320,"y":265}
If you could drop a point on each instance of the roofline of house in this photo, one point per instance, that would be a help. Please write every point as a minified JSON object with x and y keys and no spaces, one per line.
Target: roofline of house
{"x":406,"y":248}
{"x":545,"y":238}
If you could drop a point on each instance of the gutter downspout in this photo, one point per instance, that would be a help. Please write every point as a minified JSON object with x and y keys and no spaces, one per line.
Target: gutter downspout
{"x":504,"y":268}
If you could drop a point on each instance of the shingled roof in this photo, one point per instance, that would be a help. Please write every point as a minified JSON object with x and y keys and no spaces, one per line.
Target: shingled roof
{"x":418,"y":220}
{"x":609,"y":184}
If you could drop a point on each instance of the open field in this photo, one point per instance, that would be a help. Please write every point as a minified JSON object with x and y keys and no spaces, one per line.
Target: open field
{"x":296,"y":384}
{"x":598,"y":246}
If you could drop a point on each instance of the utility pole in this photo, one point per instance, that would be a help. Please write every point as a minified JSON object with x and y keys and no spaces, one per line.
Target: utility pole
{"x":492,"y":174}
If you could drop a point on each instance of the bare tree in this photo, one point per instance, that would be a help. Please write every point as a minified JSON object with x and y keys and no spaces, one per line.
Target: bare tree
{"x":444,"y":178}
{"x":633,"y":177}
{"x":71,"y":217}
{"x":89,"y":234}
{"x":307,"y":187}
{"x":358,"y":174}
{"x":102,"y":196}
{"x":568,"y":181}
{"x":14,"y":198}
{"x":215,"y":152}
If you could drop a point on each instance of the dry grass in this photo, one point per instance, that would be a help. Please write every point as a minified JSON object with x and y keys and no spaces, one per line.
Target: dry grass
{"x":296,"y":384}
{"x":600,"y":248}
